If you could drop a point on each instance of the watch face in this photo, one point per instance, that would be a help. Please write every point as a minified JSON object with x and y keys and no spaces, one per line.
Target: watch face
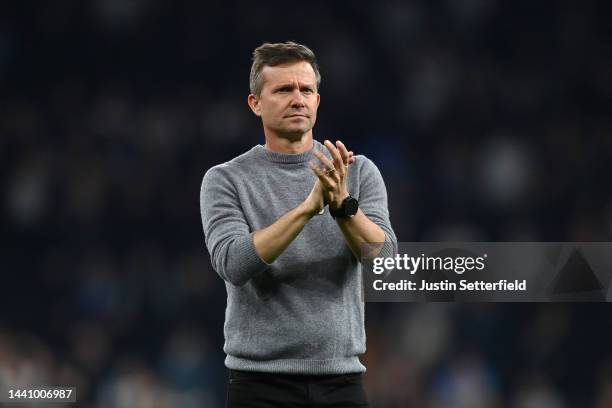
{"x":350,"y":206}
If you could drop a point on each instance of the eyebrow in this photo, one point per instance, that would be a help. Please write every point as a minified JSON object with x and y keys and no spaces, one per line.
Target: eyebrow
{"x":291,"y":85}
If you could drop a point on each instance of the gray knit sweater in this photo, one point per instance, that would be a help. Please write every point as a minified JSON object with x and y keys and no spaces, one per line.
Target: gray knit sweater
{"x":302,"y":314}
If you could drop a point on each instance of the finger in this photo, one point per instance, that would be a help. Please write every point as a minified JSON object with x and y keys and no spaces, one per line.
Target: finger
{"x":339,"y":164}
{"x":329,"y":168}
{"x":351,"y":158}
{"x":320,"y":174}
{"x":343,"y":152}
{"x":327,"y":163}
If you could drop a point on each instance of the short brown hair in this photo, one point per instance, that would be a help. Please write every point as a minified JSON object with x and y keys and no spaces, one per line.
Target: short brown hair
{"x":272,"y":55}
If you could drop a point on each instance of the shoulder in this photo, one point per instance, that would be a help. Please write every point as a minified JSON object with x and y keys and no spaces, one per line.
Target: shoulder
{"x":244,"y":158}
{"x":229,"y":168}
{"x":366,"y":172}
{"x":218,"y":172}
{"x":365,"y":165}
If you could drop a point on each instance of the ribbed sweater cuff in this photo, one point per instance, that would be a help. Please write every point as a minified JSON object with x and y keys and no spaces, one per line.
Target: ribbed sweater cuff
{"x":387,"y":249}
{"x":251,"y":263}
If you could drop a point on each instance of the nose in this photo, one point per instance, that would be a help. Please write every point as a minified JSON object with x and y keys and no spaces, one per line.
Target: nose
{"x":297,"y":99}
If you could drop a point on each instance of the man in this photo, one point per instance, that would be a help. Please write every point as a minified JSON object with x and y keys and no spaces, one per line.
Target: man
{"x":285,"y":223}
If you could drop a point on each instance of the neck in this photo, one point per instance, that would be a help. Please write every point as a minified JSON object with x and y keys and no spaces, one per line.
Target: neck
{"x":280,"y":144}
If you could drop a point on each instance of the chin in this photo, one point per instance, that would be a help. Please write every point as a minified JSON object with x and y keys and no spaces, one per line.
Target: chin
{"x":293,"y":134}
{"x":294,"y":137}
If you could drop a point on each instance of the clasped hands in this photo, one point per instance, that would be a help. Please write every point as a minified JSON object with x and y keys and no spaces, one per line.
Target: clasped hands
{"x":332,"y":175}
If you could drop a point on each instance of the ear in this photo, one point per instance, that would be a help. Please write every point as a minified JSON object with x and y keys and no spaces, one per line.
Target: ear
{"x":253,"y":102}
{"x":318,"y":99}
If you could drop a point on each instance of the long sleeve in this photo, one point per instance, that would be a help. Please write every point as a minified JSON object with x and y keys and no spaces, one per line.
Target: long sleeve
{"x":373,"y":203}
{"x":226,"y":231}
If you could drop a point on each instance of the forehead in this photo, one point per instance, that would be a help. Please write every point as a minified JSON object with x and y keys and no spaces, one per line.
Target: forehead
{"x":300,"y":71}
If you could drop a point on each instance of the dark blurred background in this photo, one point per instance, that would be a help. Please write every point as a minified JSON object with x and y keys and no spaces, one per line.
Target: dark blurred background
{"x":489,"y":120}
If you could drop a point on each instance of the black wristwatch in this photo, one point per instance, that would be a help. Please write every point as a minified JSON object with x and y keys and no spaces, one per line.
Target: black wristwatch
{"x":347,"y":209}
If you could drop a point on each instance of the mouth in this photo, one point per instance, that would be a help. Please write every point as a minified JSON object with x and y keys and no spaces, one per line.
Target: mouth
{"x":297,"y":115}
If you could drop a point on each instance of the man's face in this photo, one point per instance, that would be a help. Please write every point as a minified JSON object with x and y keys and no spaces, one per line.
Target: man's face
{"x":288,"y":101}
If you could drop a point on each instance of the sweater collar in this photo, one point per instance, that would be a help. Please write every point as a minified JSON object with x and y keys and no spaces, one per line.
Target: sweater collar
{"x":289,"y":158}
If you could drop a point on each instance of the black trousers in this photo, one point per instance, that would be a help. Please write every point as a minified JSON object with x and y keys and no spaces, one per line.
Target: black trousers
{"x":247,"y":389}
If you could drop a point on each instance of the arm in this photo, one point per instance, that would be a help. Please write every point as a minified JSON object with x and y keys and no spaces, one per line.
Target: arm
{"x":271,"y":241}
{"x":371,"y":224}
{"x":359,"y":230}
{"x":237,"y":254}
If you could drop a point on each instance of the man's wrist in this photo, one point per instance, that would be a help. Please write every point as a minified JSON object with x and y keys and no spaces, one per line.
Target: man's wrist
{"x":307,"y":210}
{"x":347,"y":209}
{"x":337,"y":204}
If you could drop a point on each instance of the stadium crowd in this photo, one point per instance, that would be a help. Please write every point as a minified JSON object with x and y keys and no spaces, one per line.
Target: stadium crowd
{"x":489,"y":121}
